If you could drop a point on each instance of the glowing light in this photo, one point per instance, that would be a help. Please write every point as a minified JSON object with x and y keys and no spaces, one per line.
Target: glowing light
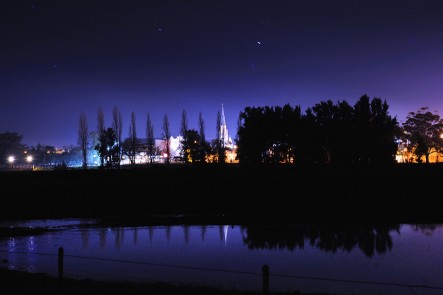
{"x":11,"y":159}
{"x":29,"y":159}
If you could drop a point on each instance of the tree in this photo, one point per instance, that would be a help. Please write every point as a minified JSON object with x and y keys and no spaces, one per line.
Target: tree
{"x":205,"y":148}
{"x":43,"y":154}
{"x":100,"y":129}
{"x":183,"y":129}
{"x":184,"y":123}
{"x":167,"y":138}
{"x":107,"y":148}
{"x":239,"y":126}
{"x":83,"y":139}
{"x":201,"y":127}
{"x":251,"y":142}
{"x":150,"y":141}
{"x":339,"y":134}
{"x":130,"y":146}
{"x":10,"y":145}
{"x":92,"y":153}
{"x":193,"y":147}
{"x":423,"y":130}
{"x":375,"y":132}
{"x":117,"y":125}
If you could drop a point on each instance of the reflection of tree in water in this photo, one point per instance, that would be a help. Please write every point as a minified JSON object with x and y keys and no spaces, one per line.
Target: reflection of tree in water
{"x":426,"y":229}
{"x":368,"y":238}
{"x":135,"y":236}
{"x":119,"y":236}
{"x":85,"y":237}
{"x":102,"y":237}
{"x":203,"y":232}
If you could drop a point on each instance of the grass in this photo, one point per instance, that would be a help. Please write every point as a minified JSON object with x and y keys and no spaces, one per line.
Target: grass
{"x":21,"y":282}
{"x":213,"y":195}
{"x":290,"y":194}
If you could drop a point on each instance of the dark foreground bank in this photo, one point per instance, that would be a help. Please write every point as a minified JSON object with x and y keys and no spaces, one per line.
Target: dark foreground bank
{"x":19,"y":282}
{"x":265,"y":194}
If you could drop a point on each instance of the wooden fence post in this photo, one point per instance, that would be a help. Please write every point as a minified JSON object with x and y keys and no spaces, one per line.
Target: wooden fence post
{"x":60,"y":269}
{"x":265,"y":271}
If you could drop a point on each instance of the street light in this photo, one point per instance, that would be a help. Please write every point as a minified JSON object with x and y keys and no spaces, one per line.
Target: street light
{"x":29,"y":160}
{"x":11,"y":160}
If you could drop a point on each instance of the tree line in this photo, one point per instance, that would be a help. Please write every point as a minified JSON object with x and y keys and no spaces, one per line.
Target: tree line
{"x":111,"y":148}
{"x":335,"y":134}
{"x":327,"y":133}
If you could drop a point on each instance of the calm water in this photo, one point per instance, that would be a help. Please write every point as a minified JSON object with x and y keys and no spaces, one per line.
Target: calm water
{"x":370,"y":259}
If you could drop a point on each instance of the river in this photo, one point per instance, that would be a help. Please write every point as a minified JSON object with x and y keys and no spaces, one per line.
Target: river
{"x":345,"y":259}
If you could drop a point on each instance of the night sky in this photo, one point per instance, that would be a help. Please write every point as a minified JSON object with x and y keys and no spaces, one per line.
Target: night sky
{"x":61,"y":58}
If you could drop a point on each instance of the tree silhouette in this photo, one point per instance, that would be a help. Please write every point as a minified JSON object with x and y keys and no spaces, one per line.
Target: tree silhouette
{"x":201,"y":127}
{"x":150,"y":141}
{"x":327,"y":133}
{"x":167,"y":138}
{"x":183,"y":130}
{"x":194,"y":148}
{"x":100,"y":129}
{"x":117,"y":125}
{"x":83,"y":139}
{"x":184,"y":123}
{"x":10,"y":145}
{"x":376,"y":132}
{"x":107,"y":148}
{"x":423,"y":129}
{"x":131,"y":145}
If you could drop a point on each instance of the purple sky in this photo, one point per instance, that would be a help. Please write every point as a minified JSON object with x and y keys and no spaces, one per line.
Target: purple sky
{"x":60,"y":58}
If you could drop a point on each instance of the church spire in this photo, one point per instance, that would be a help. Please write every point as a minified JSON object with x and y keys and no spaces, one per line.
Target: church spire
{"x":224,"y":136}
{"x":223,"y":120}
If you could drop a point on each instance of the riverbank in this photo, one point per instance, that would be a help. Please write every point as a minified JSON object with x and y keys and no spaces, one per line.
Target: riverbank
{"x":238,"y":195}
{"x":20,"y":282}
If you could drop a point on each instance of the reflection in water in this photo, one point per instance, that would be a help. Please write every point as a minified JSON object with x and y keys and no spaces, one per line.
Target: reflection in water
{"x":168,"y":233}
{"x":85,"y":236}
{"x":119,"y":237}
{"x":426,"y":229}
{"x":368,"y":238}
{"x":223,"y":231}
{"x":186,"y":233}
{"x":102,"y":237}
{"x":135,"y":236}
{"x":332,"y":252}
{"x":11,"y":258}
{"x":203,"y":232}
{"x":31,"y":244}
{"x":118,"y":232}
{"x":151,"y":233}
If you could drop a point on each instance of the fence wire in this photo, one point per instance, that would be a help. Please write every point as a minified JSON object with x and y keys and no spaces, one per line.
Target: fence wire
{"x":411,"y":287}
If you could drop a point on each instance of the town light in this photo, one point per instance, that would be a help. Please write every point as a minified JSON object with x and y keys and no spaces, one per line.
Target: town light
{"x":29,"y":159}
{"x":11,"y":159}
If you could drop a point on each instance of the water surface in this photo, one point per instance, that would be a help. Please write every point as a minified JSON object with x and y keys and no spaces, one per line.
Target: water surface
{"x":347,"y":259}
